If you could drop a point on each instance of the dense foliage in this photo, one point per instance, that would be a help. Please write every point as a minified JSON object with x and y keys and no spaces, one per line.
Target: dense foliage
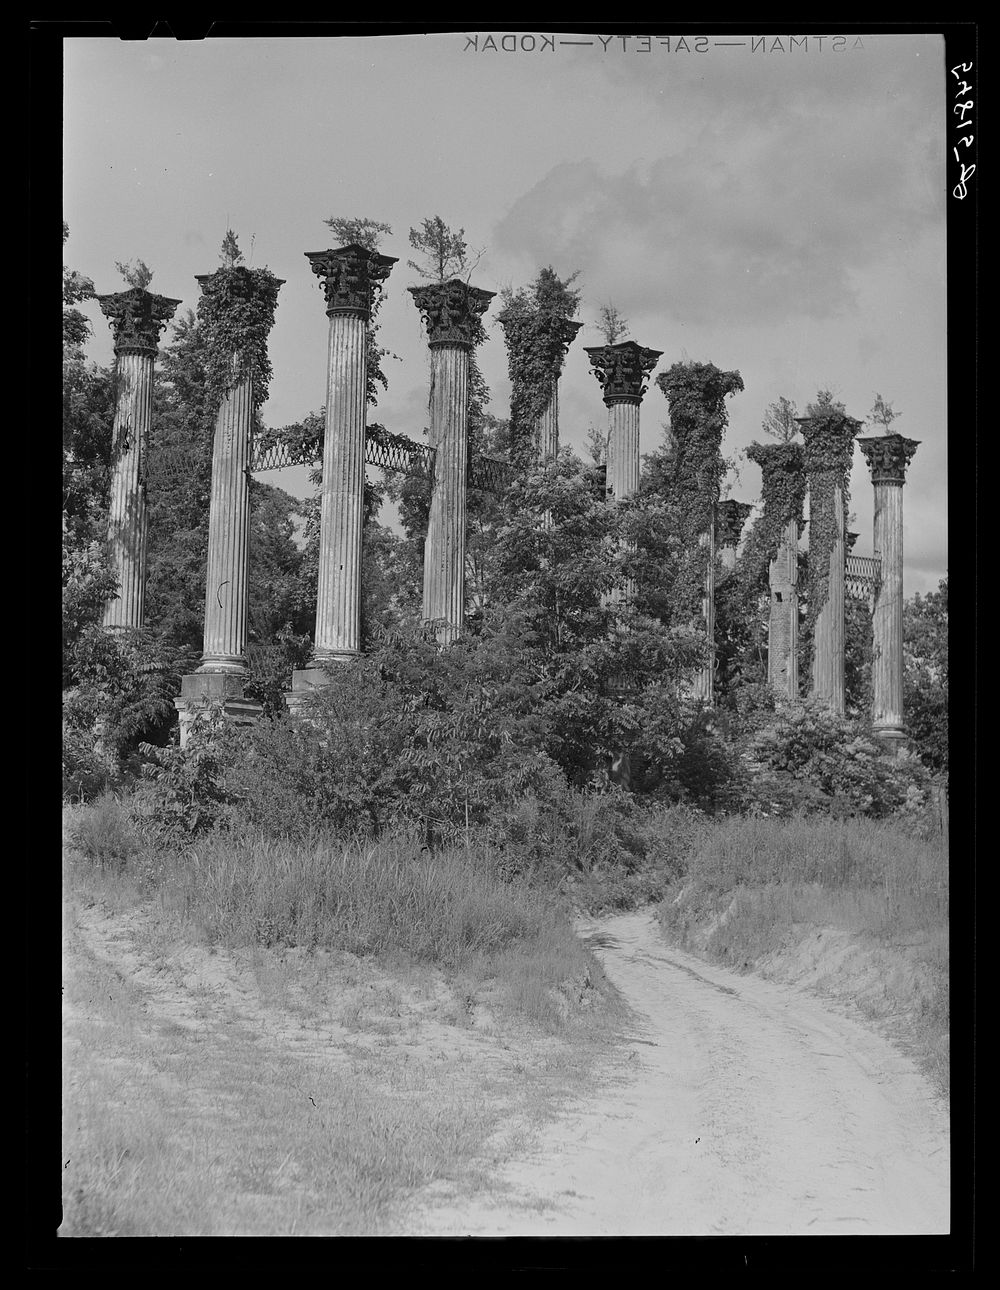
{"x":561,"y":721}
{"x":236,"y":315}
{"x":829,"y":449}
{"x":925,"y":675}
{"x":688,"y":469}
{"x":534,"y":322}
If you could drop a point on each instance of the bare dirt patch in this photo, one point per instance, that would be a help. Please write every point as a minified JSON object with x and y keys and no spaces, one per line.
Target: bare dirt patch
{"x":740,"y":1107}
{"x":255,"y":1092}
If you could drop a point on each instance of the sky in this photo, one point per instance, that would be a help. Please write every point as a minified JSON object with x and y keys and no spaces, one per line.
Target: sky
{"x":770,"y":207}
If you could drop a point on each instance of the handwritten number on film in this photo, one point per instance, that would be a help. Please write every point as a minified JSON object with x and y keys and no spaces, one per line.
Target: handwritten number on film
{"x":960,"y":109}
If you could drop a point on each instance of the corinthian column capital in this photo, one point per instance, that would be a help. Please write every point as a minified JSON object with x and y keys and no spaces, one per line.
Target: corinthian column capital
{"x":137,"y":317}
{"x":451,"y":311}
{"x":888,"y":457}
{"x":349,"y":275}
{"x":623,"y":370}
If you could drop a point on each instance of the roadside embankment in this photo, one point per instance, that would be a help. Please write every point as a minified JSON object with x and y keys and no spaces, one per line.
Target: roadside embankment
{"x":269,"y":1039}
{"x":856,"y":910}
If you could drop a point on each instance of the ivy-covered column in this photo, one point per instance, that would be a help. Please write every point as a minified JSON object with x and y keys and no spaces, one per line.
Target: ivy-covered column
{"x":888,"y":457}
{"x":829,"y":444}
{"x":704,"y":687}
{"x":236,"y":312}
{"x":730,"y":518}
{"x":137,"y":317}
{"x":349,"y":276}
{"x":452,"y":314}
{"x":696,"y":394}
{"x":783,"y":488}
{"x":622,"y":371}
{"x":560,"y":333}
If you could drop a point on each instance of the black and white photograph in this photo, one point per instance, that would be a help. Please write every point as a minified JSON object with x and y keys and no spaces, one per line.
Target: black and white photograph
{"x":505,"y":690}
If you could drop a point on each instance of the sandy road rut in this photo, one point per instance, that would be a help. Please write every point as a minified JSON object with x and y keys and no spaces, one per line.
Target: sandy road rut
{"x":743,"y":1108}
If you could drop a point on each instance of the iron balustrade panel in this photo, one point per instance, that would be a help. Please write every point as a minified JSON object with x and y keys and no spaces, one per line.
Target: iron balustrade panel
{"x":279,"y":454}
{"x":489,"y":474}
{"x":862,"y":576}
{"x":382,"y":449}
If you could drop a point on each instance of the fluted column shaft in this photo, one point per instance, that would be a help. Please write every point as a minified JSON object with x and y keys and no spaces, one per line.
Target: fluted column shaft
{"x":444,"y":549}
{"x":623,"y":468}
{"x":888,"y":457}
{"x":704,"y":686}
{"x":828,"y":646}
{"x":137,"y":317}
{"x":783,"y":620}
{"x":338,"y":602}
{"x":225,"y":639}
{"x":127,"y":512}
{"x":887,"y":618}
{"x":547,"y":428}
{"x":623,"y":447}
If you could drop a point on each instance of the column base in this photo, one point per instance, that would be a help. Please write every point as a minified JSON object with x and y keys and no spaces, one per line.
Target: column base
{"x":225,"y":665}
{"x":202,"y":690}
{"x":306,"y":680}
{"x":892,"y":738}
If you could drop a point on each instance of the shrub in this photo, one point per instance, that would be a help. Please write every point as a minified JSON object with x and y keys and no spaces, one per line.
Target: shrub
{"x":104,"y":833}
{"x":184,"y":792}
{"x":809,"y":759}
{"x":86,"y":771}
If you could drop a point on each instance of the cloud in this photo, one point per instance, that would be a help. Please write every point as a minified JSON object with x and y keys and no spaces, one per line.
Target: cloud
{"x":744,"y":220}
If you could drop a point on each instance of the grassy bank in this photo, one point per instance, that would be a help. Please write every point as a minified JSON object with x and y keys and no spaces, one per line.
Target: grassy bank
{"x":270,"y":1038}
{"x":855,"y":908}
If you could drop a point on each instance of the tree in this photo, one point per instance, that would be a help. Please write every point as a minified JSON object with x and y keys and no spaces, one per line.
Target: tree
{"x":230,"y":255}
{"x":76,"y":287}
{"x":138,"y":274}
{"x":882,"y":415}
{"x":825,"y":405}
{"x":611,"y":324}
{"x":779,"y":420}
{"x":358,"y":231}
{"x":444,"y":254}
{"x":597,"y":444}
{"x":925,"y":675}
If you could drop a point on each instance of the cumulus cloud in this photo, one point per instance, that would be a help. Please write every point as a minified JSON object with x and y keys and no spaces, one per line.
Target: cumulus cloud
{"x":748,"y":218}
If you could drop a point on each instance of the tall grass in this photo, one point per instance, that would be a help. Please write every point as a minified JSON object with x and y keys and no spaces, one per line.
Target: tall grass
{"x":366,"y":899}
{"x":906,"y":875}
{"x":461,"y":908}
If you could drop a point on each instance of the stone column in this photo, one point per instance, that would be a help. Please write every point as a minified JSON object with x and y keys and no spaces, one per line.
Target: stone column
{"x":783,"y":617}
{"x":888,"y":457}
{"x":782,"y":467}
{"x":730,"y":518}
{"x":547,"y":425}
{"x":623,"y":373}
{"x":219,"y":678}
{"x":828,"y":449}
{"x":451,"y":312}
{"x":349,"y":275}
{"x":704,"y":684}
{"x":137,"y":317}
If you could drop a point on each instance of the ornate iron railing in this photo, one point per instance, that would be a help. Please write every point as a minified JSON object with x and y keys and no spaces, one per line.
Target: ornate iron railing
{"x":382,"y":449}
{"x":489,"y":474}
{"x":862,"y":576}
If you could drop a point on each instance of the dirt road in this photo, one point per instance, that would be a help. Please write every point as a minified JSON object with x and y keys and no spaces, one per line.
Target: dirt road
{"x":743,"y":1108}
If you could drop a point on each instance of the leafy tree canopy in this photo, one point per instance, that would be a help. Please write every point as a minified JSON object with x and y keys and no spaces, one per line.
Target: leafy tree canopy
{"x":137,"y":274}
{"x":443,"y":254}
{"x":612,"y":324}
